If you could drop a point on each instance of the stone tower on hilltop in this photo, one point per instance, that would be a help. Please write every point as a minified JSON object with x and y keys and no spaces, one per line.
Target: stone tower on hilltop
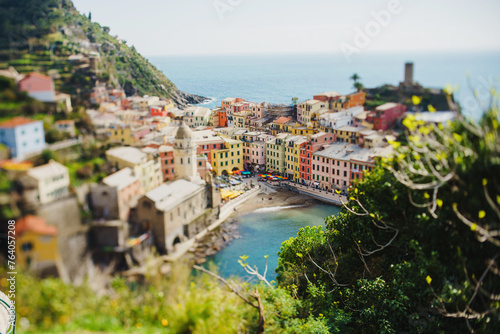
{"x":185,"y":154}
{"x":409,"y":75}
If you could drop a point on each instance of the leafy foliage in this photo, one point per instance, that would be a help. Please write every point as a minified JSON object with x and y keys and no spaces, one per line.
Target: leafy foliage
{"x":400,"y":258}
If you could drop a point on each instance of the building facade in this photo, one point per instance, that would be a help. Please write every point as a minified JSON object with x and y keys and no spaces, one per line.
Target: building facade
{"x":22,"y":136}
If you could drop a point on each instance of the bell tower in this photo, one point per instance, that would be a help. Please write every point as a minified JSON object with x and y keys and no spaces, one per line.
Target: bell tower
{"x":185,"y":154}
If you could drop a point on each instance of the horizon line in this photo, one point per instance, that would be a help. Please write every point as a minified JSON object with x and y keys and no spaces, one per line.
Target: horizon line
{"x":332,"y":53}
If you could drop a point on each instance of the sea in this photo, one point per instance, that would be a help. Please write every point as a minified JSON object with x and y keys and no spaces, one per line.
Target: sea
{"x":278,"y":78}
{"x":262,"y":233}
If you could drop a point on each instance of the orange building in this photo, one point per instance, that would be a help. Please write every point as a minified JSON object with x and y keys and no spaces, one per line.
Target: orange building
{"x":222,"y":118}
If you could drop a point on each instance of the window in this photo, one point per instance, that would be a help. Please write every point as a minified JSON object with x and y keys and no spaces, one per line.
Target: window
{"x":27,"y":246}
{"x":199,"y":163}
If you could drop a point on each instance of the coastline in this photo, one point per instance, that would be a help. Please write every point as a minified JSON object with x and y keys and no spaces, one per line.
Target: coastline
{"x":278,"y":198}
{"x":220,"y":237}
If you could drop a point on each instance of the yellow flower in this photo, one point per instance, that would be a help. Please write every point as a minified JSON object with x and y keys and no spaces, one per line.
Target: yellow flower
{"x":482,"y":214}
{"x":164,"y":322}
{"x":428,"y":279}
{"x":416,"y":100}
{"x":473,"y":227}
{"x":439,"y":202}
{"x":431,"y":108}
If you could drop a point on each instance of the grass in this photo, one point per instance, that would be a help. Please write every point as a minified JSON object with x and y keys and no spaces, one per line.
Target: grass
{"x":73,"y":167}
{"x":177,"y":304}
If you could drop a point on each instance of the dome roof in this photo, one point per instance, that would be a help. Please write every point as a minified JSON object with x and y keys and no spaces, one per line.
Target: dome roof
{"x":183,"y":132}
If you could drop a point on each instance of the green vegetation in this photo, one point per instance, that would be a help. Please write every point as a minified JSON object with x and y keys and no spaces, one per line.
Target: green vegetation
{"x":178,"y":304}
{"x":416,"y":248}
{"x":14,"y":102}
{"x":40,"y":35}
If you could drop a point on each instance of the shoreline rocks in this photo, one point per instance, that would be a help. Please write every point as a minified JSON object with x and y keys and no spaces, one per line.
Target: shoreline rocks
{"x":215,"y":241}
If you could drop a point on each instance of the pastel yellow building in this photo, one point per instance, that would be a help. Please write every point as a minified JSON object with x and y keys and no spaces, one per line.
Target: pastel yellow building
{"x":36,"y":244}
{"x":349,"y":134}
{"x":240,"y":120}
{"x":128,"y":135}
{"x":303,"y":130}
{"x":275,"y":154}
{"x":292,"y":156}
{"x":225,"y":161}
{"x":310,"y":108}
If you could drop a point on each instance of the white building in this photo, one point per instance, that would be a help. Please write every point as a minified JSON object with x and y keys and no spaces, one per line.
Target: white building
{"x":52,"y":181}
{"x":197,"y":116}
{"x":147,"y":167}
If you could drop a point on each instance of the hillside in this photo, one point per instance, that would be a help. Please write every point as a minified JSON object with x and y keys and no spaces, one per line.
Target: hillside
{"x":51,"y":36}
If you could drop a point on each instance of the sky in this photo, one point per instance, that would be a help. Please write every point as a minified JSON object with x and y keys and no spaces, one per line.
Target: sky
{"x":200,"y":27}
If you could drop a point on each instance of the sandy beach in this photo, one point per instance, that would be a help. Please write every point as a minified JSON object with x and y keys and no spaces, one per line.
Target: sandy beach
{"x":273,"y":198}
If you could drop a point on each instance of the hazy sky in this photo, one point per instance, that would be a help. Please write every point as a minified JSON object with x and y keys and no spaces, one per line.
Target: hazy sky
{"x":172,"y":27}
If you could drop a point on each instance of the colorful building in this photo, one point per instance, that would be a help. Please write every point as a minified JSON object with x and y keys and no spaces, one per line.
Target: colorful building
{"x":292,"y":156}
{"x":129,"y":135}
{"x":22,"y":136}
{"x":275,"y":154}
{"x":229,"y":159}
{"x":167,"y":161}
{"x":222,"y":114}
{"x":310,"y":108}
{"x":38,"y":86}
{"x":282,"y":124}
{"x":338,"y":165}
{"x":349,"y":134}
{"x":386,"y":115}
{"x":314,"y":144}
{"x":36,"y":245}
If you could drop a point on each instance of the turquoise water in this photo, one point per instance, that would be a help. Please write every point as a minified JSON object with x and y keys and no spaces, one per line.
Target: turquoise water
{"x":262,"y":233}
{"x":278,"y":78}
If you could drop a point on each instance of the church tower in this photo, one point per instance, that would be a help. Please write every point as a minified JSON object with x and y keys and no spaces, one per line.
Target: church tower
{"x":185,"y":154}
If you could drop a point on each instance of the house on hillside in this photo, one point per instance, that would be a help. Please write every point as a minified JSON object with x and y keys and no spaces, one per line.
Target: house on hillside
{"x":36,"y":246}
{"x":22,"y":136}
{"x":38,"y":86}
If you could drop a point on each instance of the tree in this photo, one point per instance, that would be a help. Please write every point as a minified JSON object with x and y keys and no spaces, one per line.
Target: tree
{"x":355,"y":78}
{"x":359,"y":86}
{"x":428,"y":261}
{"x":90,"y":16}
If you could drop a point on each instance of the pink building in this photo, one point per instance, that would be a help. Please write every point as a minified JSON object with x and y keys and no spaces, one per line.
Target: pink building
{"x":299,"y":113}
{"x":339,"y":164}
{"x":208,"y":143}
{"x":331,"y":166}
{"x":258,"y":156}
{"x":38,"y":86}
{"x":386,"y":115}
{"x":203,"y":166}
{"x":314,"y":144}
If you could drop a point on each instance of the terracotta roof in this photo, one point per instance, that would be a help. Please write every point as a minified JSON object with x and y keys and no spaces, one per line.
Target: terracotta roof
{"x":34,"y":224}
{"x":282,"y":120}
{"x":16,"y":121}
{"x":40,"y":75}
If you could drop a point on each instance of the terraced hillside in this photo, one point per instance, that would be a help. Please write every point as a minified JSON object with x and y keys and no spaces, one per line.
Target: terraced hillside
{"x":52,"y":37}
